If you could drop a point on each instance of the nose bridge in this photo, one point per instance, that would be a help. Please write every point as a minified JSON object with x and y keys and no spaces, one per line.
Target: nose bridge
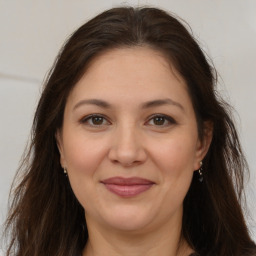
{"x":127,"y":137}
{"x":127,"y":147}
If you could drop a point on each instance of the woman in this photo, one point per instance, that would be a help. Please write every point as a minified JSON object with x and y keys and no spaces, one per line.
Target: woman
{"x":133,"y":153}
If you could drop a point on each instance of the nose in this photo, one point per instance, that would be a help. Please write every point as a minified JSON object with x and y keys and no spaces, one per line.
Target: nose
{"x":127,"y":147}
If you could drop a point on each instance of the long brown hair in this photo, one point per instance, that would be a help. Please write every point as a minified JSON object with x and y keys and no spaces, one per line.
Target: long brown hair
{"x":45,"y":217}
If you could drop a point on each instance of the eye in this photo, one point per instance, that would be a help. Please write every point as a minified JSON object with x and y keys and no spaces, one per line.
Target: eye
{"x":161,"y":120}
{"x":95,"y":120}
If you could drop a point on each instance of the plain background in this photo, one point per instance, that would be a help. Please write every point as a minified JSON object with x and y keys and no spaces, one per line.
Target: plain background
{"x":32,"y":32}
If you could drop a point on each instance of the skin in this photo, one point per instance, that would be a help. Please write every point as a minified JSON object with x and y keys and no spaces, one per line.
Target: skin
{"x":127,"y":140}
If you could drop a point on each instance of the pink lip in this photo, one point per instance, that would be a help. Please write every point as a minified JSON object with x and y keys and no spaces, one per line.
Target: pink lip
{"x":127,"y":187}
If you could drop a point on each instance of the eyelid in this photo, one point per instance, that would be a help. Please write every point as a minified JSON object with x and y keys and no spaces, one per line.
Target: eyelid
{"x":170,"y":120}
{"x":84,"y":119}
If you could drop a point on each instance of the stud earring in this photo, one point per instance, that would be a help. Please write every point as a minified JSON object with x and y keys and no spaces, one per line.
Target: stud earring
{"x":200,"y":172}
{"x":65,"y":171}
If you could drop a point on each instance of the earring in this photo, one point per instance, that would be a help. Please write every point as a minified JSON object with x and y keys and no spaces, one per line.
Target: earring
{"x":200,"y":172}
{"x":65,"y":171}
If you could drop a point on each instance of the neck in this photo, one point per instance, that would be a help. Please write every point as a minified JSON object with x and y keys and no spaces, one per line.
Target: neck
{"x":103,"y":242}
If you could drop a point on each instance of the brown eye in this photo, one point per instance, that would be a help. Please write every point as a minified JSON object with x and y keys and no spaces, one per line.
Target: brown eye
{"x":95,"y":120}
{"x":161,"y":121}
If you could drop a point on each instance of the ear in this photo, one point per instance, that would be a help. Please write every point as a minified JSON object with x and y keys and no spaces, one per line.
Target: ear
{"x":203,"y":144}
{"x":59,"y":142}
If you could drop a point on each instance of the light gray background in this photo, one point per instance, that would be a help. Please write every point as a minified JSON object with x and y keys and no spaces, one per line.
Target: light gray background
{"x":32,"y":32}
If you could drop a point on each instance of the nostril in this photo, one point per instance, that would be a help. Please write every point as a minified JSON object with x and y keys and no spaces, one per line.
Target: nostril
{"x":126,"y":164}
{"x":127,"y":150}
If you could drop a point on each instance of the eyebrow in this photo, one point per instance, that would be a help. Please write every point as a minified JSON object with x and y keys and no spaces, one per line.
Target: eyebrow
{"x":148,"y":104}
{"x":97,"y":102}
{"x":161,"y":102}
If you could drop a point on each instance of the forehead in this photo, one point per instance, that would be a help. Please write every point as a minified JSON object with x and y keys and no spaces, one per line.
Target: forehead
{"x":135,"y":73}
{"x":143,"y":58}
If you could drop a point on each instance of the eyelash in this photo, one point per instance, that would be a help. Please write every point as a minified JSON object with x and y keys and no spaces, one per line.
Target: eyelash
{"x":165,"y":118}
{"x":86,"y":119}
{"x":169,"y":119}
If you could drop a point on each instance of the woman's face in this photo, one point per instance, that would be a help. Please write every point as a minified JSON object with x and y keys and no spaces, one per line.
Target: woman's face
{"x":129,"y":141}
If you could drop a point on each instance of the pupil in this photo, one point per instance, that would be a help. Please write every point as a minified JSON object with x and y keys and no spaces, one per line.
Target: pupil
{"x":97,"y":120}
{"x":159,"y":120}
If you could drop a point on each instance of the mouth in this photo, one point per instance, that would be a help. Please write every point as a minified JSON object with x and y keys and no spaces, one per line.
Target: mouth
{"x":127,"y":187}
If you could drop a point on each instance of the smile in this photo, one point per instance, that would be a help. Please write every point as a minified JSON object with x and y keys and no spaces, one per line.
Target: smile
{"x":127,"y":187}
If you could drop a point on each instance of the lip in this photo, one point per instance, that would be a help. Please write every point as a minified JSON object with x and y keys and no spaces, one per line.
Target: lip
{"x":127,"y":187}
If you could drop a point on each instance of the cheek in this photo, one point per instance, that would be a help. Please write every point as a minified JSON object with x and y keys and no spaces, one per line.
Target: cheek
{"x":175,"y":157}
{"x":83,"y":155}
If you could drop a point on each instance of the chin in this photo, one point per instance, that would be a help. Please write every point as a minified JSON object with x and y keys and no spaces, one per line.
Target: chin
{"x":129,"y":219}
{"x":129,"y":225}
